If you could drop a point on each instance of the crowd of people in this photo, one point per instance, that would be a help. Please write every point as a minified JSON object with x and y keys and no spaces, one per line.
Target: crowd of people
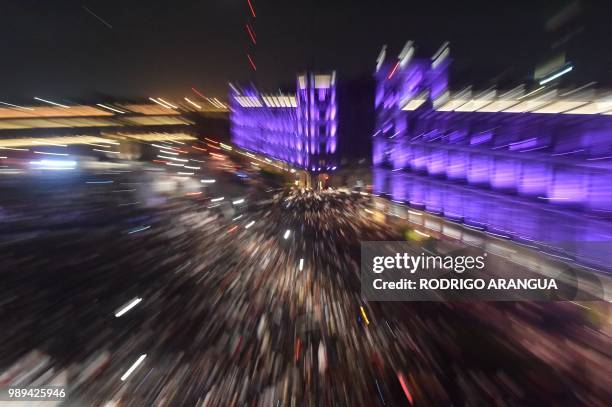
{"x":260,"y":306}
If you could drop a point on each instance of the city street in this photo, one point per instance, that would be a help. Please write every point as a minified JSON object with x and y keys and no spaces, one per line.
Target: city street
{"x":258,"y":304}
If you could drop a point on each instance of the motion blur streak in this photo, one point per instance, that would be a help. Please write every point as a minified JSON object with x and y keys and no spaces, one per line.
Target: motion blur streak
{"x":365,"y":317}
{"x":251,"y":62}
{"x":251,"y":8}
{"x":133,"y":367}
{"x":52,"y":103}
{"x":128,"y":307}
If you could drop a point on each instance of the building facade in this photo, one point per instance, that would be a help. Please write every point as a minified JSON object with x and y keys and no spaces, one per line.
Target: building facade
{"x":532,"y":165}
{"x":299,"y":128}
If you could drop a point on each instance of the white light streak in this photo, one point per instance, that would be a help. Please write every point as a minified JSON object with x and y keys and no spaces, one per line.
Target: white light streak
{"x":133,"y":367}
{"x":166,"y":147}
{"x":192,"y":103}
{"x":139,"y":229}
{"x":17,"y":106}
{"x":52,"y":103}
{"x":110,"y":108}
{"x":105,"y":151}
{"x":128,"y":307}
{"x":168,"y":103}
{"x":221,"y":105}
{"x":47,"y":153}
{"x":532,"y":92}
{"x":55,"y":164}
{"x":160,"y":103}
{"x":555,"y":76}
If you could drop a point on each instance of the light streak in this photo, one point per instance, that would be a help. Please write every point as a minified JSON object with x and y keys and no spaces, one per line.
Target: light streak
{"x":252,"y":9}
{"x":55,"y":164}
{"x":212,"y":102}
{"x":139,"y":229}
{"x":365,"y":317}
{"x":52,"y":103}
{"x":97,"y":17}
{"x":221,"y":105}
{"x":402,"y":381}
{"x":251,"y":34}
{"x":109,"y":108}
{"x":198,"y":93}
{"x":393,"y":70}
{"x":160,"y":103}
{"x":192,"y":103}
{"x":421,"y":233}
{"x":46,"y":153}
{"x":105,"y":151}
{"x":17,"y":106}
{"x":128,"y":307}
{"x":555,"y":76}
{"x":252,"y":63}
{"x":168,"y":103}
{"x":531,"y":93}
{"x":133,"y":367}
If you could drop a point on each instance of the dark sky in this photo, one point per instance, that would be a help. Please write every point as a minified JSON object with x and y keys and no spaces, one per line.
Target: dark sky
{"x":56,"y":49}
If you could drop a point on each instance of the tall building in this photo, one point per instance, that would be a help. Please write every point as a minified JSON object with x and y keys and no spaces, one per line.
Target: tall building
{"x":300,"y":128}
{"x":528,"y":164}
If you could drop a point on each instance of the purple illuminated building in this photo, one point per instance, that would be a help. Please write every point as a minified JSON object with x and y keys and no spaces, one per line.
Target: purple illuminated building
{"x":496,"y":160}
{"x":300,"y":128}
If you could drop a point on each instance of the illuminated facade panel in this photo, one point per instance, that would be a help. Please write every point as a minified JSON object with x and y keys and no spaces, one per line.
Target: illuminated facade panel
{"x":300,"y":129}
{"x":538,"y":145}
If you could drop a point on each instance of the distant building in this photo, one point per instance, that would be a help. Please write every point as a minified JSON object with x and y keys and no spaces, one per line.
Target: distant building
{"x":299,"y":128}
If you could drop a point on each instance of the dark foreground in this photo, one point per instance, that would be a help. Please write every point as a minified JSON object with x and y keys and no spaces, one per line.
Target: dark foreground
{"x":235,"y":310}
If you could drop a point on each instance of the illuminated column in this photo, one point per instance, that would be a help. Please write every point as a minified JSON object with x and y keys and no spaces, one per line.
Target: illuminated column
{"x":317,"y":120}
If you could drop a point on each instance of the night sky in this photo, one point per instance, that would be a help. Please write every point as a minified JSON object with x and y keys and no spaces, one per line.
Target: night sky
{"x":60,"y":50}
